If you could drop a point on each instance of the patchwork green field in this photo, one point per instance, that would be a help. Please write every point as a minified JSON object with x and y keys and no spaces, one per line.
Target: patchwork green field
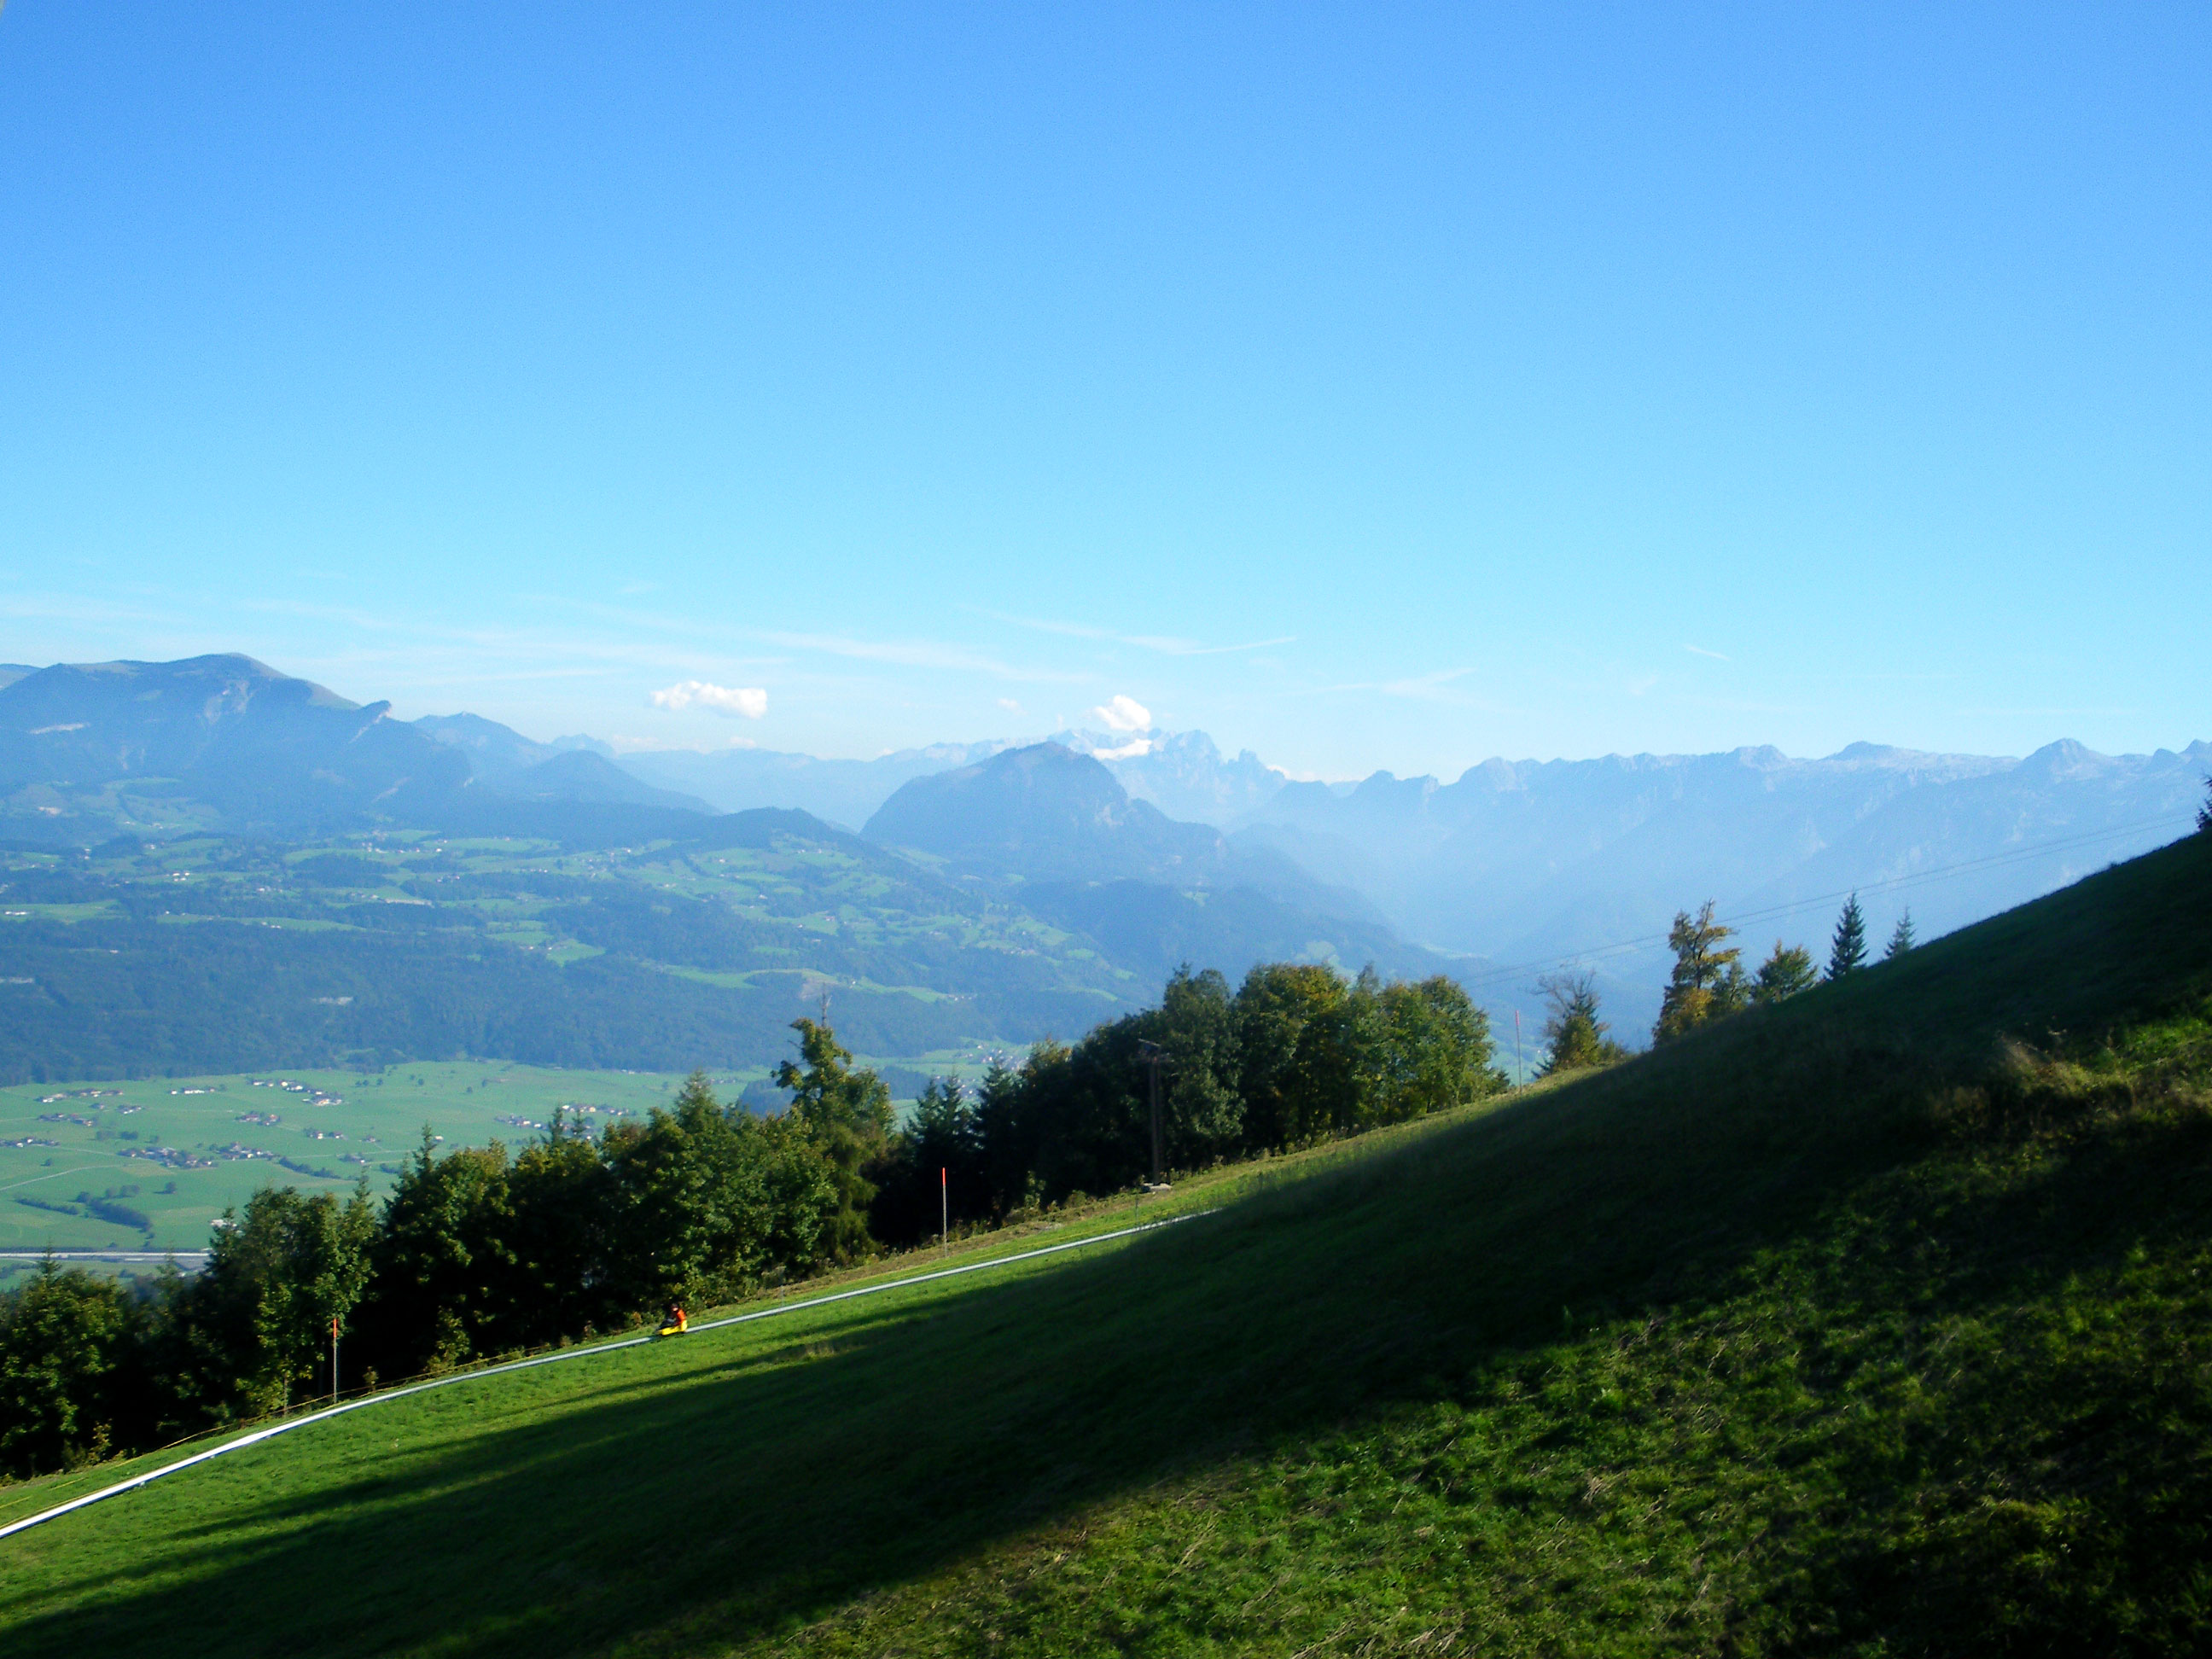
{"x":147,"y":1164}
{"x":177,"y":1151}
{"x":1870,"y":1324}
{"x":207,"y":955}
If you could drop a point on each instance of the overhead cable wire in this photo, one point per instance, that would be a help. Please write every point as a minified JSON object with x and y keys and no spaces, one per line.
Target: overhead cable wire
{"x":1887,"y":884}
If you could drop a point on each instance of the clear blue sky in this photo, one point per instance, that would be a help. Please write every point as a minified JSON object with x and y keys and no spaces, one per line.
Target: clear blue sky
{"x":1371,"y":385}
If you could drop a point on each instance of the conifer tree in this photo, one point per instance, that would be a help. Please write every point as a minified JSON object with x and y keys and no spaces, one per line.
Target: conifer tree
{"x":848,"y":1115}
{"x":2204,"y":812}
{"x":1574,"y":1036}
{"x":1847,"y":951}
{"x":1900,"y":939}
{"x":1783,"y":974}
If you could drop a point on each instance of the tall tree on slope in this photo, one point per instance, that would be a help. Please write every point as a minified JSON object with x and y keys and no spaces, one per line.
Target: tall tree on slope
{"x":846,"y":1114}
{"x":1790,"y":970}
{"x":1707,"y":983}
{"x":1847,"y":951}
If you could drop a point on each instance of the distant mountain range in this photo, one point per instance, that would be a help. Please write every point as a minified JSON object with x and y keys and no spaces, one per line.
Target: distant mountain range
{"x":1182,"y":774}
{"x":211,"y":740}
{"x":266,"y":874}
{"x":1152,"y":844}
{"x":1528,"y":861}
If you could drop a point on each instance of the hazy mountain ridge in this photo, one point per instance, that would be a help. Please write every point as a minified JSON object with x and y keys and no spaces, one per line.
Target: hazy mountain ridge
{"x":1534,"y":856}
{"x":1514,"y":862}
{"x":1181,"y":773}
{"x":566,"y":769}
{"x":846,"y":793}
{"x":224,"y":743}
{"x":579,"y":914}
{"x":221,"y":736}
{"x":1057,"y":832}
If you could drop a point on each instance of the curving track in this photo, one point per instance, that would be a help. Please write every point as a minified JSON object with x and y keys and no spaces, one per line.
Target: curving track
{"x":566,"y":1354}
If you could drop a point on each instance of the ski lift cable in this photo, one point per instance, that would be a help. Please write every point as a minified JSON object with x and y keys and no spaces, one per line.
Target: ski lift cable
{"x":1890,"y":883}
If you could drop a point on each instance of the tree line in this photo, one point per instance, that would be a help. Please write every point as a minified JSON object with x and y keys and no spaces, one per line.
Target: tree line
{"x":478,"y":1251}
{"x":1707,"y":983}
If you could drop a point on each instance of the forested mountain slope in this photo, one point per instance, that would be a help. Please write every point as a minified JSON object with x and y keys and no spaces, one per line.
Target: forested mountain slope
{"x":215,"y":867}
{"x":1868,"y":1323}
{"x":209,"y":954}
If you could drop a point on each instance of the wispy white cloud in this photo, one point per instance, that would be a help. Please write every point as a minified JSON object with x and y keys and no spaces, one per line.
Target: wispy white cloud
{"x":1010,"y":705}
{"x":1167,"y":644}
{"x":918,"y":654}
{"x":745,"y":701}
{"x":626,"y":745}
{"x":1437,"y":687}
{"x":77,"y":608}
{"x":1122,"y":713}
{"x":1700,"y":651}
{"x":1427,"y":688}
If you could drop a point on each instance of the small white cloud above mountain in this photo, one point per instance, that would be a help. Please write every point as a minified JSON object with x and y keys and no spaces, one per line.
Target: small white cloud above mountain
{"x":1010,"y":705}
{"x":743,"y":701}
{"x":1123,"y":713}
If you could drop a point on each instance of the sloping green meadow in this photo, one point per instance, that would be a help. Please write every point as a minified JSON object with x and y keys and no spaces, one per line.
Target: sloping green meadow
{"x":1876,"y":1323}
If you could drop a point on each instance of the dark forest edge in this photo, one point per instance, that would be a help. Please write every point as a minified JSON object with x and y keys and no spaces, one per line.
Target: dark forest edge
{"x":479,"y":1252}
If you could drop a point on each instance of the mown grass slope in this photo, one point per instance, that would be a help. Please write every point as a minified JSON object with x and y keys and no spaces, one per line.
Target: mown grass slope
{"x":1876,"y":1324}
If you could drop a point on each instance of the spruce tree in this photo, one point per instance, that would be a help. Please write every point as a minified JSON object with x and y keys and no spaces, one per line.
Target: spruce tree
{"x":1574,"y":1036}
{"x":1847,"y":952}
{"x":2204,"y":812}
{"x":847,"y":1115}
{"x":1783,"y":974}
{"x":1900,"y":939}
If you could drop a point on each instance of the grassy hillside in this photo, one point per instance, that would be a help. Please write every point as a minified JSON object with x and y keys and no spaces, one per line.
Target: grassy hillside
{"x":1872,"y":1324}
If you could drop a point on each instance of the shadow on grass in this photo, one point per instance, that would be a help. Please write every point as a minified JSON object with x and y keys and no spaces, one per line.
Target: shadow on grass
{"x":751,"y":1496}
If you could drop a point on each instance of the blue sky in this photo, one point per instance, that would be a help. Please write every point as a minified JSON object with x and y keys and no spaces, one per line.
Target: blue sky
{"x":1372,"y":386}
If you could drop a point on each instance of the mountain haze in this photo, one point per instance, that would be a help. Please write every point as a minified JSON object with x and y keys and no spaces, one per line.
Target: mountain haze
{"x":1063,"y":834}
{"x":224,"y":734}
{"x":1149,"y":846}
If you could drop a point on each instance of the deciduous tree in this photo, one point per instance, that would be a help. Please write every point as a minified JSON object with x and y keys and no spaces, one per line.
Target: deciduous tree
{"x":1707,"y":983}
{"x":255,"y":1321}
{"x":61,"y":1342}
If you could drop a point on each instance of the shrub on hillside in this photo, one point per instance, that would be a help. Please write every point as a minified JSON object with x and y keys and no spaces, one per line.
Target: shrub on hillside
{"x":1575,"y":1038}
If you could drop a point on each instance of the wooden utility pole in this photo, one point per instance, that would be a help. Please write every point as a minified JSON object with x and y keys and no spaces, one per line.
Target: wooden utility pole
{"x":1151,"y":1056}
